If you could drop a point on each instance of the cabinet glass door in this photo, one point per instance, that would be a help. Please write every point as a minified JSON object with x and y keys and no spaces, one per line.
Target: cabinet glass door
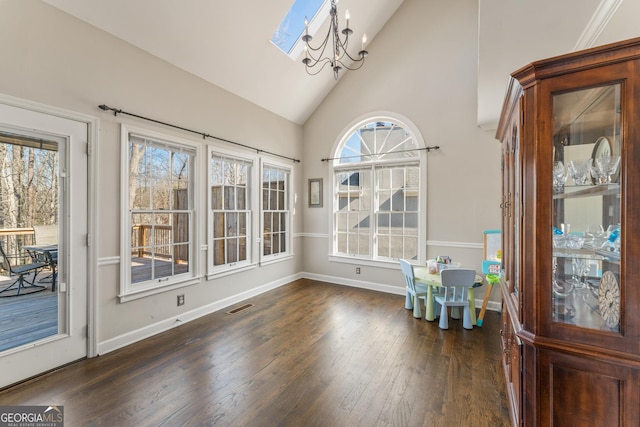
{"x":586,"y":207}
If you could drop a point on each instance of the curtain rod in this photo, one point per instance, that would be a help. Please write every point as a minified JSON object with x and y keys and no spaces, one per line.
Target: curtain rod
{"x":117,"y":111}
{"x":433,"y":147}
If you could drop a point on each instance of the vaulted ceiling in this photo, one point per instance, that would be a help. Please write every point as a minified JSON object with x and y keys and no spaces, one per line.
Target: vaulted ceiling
{"x":228,"y":42}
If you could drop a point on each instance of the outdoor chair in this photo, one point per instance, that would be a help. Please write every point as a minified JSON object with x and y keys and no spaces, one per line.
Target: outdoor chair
{"x":46,"y":236}
{"x":21,"y":285}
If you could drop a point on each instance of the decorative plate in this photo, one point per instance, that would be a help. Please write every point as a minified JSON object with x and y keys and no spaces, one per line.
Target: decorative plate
{"x":609,"y":299}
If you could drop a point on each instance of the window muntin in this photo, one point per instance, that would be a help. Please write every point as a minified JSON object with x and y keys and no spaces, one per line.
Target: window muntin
{"x":230,"y":211}
{"x":159,"y":185}
{"x":378,"y":141}
{"x":377,"y":192}
{"x":275,"y":210}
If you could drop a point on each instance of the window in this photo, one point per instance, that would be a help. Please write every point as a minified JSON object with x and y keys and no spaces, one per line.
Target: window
{"x":230,"y":212}
{"x":159,"y":237}
{"x":397,"y":212}
{"x":288,"y":34}
{"x":379,"y":184}
{"x":353,"y":225}
{"x":275,"y":210}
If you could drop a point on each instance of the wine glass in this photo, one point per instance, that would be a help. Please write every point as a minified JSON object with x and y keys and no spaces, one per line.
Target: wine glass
{"x":580,"y":269}
{"x":579,"y":171}
{"x":612,"y":167}
{"x":604,"y":168}
{"x":559,"y":175}
{"x":594,"y":234}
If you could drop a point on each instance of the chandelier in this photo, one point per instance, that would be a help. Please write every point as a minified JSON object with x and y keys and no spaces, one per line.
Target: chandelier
{"x":339,"y":45}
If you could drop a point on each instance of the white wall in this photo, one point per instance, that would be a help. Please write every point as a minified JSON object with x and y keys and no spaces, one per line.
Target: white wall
{"x":422,"y":65}
{"x":51,"y":58}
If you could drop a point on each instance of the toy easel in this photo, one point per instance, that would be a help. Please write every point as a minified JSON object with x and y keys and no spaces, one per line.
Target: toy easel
{"x":490,"y":266}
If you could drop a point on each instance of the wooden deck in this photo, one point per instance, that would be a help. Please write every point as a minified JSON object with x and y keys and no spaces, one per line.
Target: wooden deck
{"x":141,"y":268}
{"x":27,"y":318}
{"x":31,"y":317}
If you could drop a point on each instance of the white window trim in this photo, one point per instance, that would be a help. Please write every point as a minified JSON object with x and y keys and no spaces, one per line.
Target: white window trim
{"x":129,"y":291}
{"x":373,"y":260}
{"x":288,"y":254}
{"x":254,"y":198}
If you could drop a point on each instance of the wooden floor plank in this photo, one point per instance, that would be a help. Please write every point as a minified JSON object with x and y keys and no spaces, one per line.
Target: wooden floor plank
{"x":308,"y":353}
{"x":27,"y":318}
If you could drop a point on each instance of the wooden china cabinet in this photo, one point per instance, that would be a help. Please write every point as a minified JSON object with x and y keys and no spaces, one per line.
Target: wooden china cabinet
{"x":570,"y":132}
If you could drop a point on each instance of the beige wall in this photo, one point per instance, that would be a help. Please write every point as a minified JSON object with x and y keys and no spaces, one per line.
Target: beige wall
{"x":423,"y":66}
{"x":51,"y":58}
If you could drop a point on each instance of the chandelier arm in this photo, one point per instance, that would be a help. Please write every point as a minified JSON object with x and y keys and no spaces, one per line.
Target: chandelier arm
{"x":309,"y":53}
{"x":314,"y":61}
{"x":312,"y":58}
{"x":325,"y":62}
{"x":324,"y":47}
{"x":360,"y":63}
{"x":354,"y":59}
{"x":321,"y":45}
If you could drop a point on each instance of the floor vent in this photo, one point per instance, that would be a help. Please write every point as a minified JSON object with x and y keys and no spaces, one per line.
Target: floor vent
{"x":239,"y":309}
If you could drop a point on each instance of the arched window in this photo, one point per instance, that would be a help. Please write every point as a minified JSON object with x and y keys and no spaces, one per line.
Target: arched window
{"x":379,"y":191}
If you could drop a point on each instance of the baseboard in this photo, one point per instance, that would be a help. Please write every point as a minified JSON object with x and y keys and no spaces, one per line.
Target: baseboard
{"x":396,"y":290}
{"x":354,"y":283}
{"x":164,"y":325}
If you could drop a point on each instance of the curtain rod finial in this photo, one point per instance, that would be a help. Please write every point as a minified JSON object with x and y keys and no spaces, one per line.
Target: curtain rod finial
{"x":105,"y":107}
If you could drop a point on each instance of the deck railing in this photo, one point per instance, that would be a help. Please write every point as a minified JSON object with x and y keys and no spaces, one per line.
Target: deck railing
{"x":145,"y":236}
{"x":12,"y":241}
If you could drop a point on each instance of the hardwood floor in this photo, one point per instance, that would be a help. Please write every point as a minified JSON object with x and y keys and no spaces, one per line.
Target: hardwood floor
{"x":306,"y":354}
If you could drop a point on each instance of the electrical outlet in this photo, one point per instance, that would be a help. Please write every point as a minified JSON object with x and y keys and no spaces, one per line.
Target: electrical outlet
{"x":180,"y":299}
{"x":357,"y":270}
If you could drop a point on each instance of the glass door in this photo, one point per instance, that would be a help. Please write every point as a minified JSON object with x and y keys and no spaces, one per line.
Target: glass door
{"x":43,"y":232}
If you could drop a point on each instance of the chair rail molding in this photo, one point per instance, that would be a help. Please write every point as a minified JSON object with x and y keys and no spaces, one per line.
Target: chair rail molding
{"x":441,"y":243}
{"x":110,"y":260}
{"x":467,"y":245}
{"x":313,"y":235}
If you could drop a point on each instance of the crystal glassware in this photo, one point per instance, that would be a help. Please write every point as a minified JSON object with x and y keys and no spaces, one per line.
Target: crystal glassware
{"x":603,"y":169}
{"x":595,"y":235}
{"x":612,"y":167}
{"x":559,"y":175}
{"x":579,"y":171}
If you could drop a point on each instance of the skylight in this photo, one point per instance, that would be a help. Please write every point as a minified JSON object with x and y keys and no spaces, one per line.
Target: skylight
{"x":292,"y":25}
